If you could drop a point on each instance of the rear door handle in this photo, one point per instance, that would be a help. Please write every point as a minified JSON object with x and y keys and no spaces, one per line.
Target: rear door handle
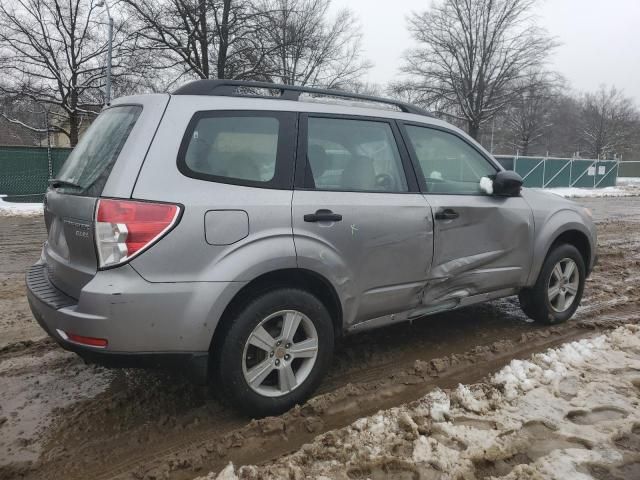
{"x":447,"y":214}
{"x":323,"y":215}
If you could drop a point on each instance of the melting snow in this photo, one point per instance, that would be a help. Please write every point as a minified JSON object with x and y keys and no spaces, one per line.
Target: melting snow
{"x":570,"y":192}
{"x":19,"y":209}
{"x":553,"y":416}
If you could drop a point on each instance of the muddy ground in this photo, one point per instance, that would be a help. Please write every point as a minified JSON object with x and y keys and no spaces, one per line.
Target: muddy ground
{"x":572,"y":412}
{"x":60,"y":418}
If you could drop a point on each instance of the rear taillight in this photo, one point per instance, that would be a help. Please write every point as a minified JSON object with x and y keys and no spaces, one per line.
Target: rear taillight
{"x":125,"y":228}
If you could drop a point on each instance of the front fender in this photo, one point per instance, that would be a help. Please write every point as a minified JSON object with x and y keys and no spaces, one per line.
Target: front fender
{"x":547,"y":232}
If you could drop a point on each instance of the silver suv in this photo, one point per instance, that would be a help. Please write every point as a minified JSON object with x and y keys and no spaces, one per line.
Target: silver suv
{"x":241,"y":228}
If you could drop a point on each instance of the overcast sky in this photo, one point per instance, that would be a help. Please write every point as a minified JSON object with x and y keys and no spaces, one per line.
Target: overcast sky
{"x":600,"y":39}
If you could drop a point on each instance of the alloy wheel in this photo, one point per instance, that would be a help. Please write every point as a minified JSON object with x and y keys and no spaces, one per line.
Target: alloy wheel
{"x":280,"y":353}
{"x":563,"y":285}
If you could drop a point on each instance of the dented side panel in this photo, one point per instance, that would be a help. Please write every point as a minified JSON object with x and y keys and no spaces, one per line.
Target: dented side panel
{"x":486,"y":248}
{"x":377,"y":257}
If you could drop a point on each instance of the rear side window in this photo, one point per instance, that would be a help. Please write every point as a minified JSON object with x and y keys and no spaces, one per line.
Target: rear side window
{"x":353,"y":155}
{"x":91,"y":161}
{"x":238,"y":147}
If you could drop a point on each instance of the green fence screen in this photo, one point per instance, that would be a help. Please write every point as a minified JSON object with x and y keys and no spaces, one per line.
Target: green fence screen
{"x":562,"y":172}
{"x":629,"y":169}
{"x":24,"y":171}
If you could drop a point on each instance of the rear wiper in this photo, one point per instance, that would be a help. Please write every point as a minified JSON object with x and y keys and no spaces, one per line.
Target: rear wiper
{"x":55,"y":183}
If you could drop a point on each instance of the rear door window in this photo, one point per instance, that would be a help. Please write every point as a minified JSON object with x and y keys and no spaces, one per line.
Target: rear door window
{"x":91,"y":161}
{"x":353,"y":155}
{"x":239,"y":147}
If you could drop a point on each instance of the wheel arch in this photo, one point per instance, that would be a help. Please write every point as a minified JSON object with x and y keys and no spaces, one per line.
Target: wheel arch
{"x":576,"y":238}
{"x":564,"y":226}
{"x":288,"y":277}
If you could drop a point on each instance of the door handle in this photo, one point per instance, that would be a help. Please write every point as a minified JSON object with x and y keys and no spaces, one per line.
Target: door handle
{"x":323,"y":215}
{"x":447,"y":214}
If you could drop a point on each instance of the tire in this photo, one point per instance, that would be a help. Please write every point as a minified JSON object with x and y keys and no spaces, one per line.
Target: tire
{"x":241,"y":359}
{"x":540,"y":302}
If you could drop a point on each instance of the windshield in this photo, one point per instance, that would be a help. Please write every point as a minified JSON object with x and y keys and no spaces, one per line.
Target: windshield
{"x":90,"y":162}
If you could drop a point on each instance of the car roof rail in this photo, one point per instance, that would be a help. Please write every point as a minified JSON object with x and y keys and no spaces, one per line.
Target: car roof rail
{"x":233,"y":88}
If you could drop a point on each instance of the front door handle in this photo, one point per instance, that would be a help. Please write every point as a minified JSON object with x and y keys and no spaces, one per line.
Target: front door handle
{"x":323,"y":215}
{"x":447,"y":214}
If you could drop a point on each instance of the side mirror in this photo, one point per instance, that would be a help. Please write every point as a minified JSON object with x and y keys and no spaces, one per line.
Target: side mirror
{"x":507,"y":183}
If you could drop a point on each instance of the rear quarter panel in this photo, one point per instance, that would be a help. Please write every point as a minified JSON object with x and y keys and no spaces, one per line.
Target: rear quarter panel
{"x":184,"y":255}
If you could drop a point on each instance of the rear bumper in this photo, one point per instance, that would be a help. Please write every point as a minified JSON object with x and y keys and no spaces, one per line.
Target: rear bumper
{"x":196,"y":365}
{"x":145,"y":324}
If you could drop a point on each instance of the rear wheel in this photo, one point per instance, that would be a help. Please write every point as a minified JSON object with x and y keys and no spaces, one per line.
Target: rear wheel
{"x":276,"y":351}
{"x":558,"y":290}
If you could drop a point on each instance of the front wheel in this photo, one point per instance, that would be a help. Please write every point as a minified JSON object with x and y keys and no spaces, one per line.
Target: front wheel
{"x":558,"y":290}
{"x":276,"y":351}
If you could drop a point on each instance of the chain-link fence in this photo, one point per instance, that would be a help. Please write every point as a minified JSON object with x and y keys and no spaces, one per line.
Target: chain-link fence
{"x":24,"y":171}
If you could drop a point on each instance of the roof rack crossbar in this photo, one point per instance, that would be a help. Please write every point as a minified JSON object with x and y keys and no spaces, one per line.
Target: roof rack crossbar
{"x":229,"y":88}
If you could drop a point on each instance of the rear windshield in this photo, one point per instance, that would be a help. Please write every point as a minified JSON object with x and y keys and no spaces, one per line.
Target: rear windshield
{"x":90,"y":162}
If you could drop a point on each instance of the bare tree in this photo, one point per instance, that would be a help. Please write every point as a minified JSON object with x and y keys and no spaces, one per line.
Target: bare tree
{"x":311,"y":49}
{"x":53,"y":53}
{"x":562,"y":138}
{"x":470,"y":55}
{"x":528,"y":115}
{"x":365,"y":88}
{"x":609,"y":123}
{"x":200,"y":38}
{"x":22,"y":111}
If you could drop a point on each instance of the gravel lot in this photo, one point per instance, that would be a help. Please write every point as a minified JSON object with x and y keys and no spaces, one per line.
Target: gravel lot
{"x":60,"y":418}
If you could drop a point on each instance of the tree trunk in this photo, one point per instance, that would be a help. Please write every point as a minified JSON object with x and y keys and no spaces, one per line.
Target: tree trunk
{"x":473,"y":129}
{"x":224,"y":40}
{"x":74,"y":124}
{"x":74,"y":118}
{"x":204,"y":38}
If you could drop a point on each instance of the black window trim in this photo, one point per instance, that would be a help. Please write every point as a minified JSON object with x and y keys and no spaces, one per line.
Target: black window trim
{"x":285,"y":155}
{"x":416,"y":164}
{"x":301,"y":158}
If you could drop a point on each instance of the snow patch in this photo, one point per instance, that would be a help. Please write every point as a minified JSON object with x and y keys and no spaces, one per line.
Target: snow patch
{"x":545,"y":368}
{"x":19,"y":209}
{"x":486,"y":185}
{"x":228,"y":473}
{"x":573,"y":192}
{"x":628,"y":181}
{"x":440,"y":405}
{"x":467,"y":400}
